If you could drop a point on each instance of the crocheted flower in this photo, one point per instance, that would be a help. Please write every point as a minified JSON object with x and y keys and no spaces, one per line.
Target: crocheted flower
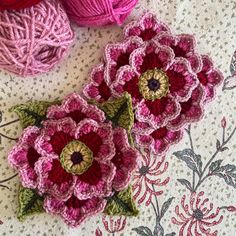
{"x":198,"y":216}
{"x":17,"y":4}
{"x":24,"y":156}
{"x":168,"y":80}
{"x":76,"y":160}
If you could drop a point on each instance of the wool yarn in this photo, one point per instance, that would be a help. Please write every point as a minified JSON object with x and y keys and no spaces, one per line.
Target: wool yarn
{"x":99,"y":12}
{"x":17,"y":4}
{"x":33,"y":40}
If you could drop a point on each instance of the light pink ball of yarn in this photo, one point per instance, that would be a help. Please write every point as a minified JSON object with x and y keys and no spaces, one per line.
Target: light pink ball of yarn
{"x":99,"y":12}
{"x":33,"y":40}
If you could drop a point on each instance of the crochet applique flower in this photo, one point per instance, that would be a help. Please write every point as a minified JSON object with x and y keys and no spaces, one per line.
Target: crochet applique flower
{"x":168,"y":80}
{"x":76,"y":161}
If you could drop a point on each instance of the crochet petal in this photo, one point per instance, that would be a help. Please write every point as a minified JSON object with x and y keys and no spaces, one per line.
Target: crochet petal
{"x":125,"y":159}
{"x":74,"y":211}
{"x":96,"y":181}
{"x":77,"y":108}
{"x":157,"y":113}
{"x":53,"y":179}
{"x":23,"y":157}
{"x":117,"y":55}
{"x":191,"y":110}
{"x":97,"y":137}
{"x":97,"y":89}
{"x":147,"y":27}
{"x":209,"y":77}
{"x":55,"y":135}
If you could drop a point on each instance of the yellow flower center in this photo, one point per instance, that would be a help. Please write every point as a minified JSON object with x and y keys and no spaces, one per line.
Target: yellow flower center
{"x":76,"y":157}
{"x":154,"y":84}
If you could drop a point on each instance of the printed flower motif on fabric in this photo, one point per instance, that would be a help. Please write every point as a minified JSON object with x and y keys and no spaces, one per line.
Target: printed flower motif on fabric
{"x":74,"y":162}
{"x":196,"y":214}
{"x":169,"y":82}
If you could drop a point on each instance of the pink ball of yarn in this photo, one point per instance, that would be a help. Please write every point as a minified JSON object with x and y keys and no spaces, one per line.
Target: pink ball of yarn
{"x":99,"y":12}
{"x":33,"y":40}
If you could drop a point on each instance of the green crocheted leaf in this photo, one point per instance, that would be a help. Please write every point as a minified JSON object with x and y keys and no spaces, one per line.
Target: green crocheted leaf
{"x":32,"y":113}
{"x":120,"y":111}
{"x":29,"y":203}
{"x":122,"y":203}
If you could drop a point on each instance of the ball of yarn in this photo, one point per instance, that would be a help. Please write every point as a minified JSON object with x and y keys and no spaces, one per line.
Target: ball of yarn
{"x":99,"y":12}
{"x":17,"y":4}
{"x":33,"y":40}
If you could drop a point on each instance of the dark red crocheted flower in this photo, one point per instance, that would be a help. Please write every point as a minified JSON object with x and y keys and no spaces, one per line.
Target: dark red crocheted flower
{"x":17,"y":4}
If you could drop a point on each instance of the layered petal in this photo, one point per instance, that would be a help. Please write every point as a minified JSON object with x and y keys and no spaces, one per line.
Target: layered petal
{"x":147,"y":27}
{"x":159,"y":112}
{"x":159,"y":140}
{"x":98,"y":137}
{"x":117,"y":55}
{"x":23,"y":157}
{"x":97,"y":89}
{"x":96,"y":181}
{"x":55,"y":135}
{"x":183,"y":45}
{"x":77,"y":108}
{"x":191,"y":110}
{"x":209,"y":77}
{"x":73,"y":210}
{"x":125,"y":159}
{"x":53,"y":178}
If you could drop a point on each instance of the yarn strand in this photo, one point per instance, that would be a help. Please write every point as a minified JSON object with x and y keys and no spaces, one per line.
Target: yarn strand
{"x":99,"y":12}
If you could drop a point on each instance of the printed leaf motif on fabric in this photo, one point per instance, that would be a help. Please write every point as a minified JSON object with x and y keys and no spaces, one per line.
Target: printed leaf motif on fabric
{"x":143,"y":231}
{"x":166,"y":206}
{"x":227,"y":172}
{"x":186,"y":183}
{"x":192,"y":160}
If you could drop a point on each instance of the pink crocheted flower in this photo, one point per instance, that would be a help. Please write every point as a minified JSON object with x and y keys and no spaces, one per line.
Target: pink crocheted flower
{"x":168,"y":80}
{"x":24,"y":156}
{"x":76,"y":160}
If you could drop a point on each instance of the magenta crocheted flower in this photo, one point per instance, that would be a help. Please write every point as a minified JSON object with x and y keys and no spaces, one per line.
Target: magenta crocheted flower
{"x":168,"y":80}
{"x":76,"y":160}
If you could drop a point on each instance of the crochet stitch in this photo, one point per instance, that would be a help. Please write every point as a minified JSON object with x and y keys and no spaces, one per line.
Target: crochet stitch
{"x":168,"y":80}
{"x":74,"y":161}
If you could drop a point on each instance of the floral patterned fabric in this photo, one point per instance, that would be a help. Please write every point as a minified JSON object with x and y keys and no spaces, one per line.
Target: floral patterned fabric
{"x":188,"y":191}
